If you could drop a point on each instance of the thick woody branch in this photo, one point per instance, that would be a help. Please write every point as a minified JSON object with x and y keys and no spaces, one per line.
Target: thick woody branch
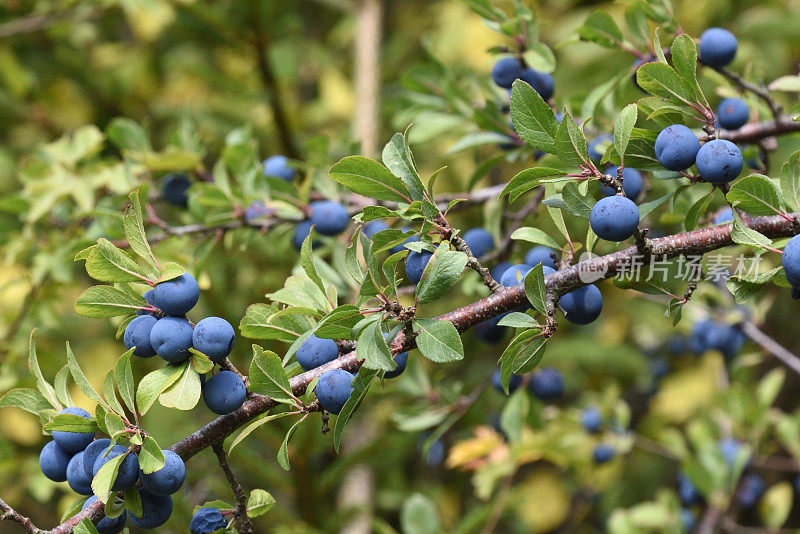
{"x":245,"y":525}
{"x":695,"y":242}
{"x":12,"y":515}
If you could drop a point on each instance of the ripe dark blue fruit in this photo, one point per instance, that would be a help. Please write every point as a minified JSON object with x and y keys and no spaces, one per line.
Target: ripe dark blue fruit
{"x":729,"y":449}
{"x":719,"y":161}
{"x":659,"y":367}
{"x":632,"y":182}
{"x":90,"y":454}
{"x":107,"y":525}
{"x":688,"y":519}
{"x":402,"y":246}
{"x":168,"y":479}
{"x":76,"y":476}
{"x":505,"y":71}
{"x":709,"y":334}
{"x":583,"y":305}
{"x":402,"y":361}
{"x":224,"y":392}
{"x":541,"y":82}
{"x":725,"y":216}
{"x":416,"y":263}
{"x":330,"y":217}
{"x":515,"y":275}
{"x":137,"y":334}
{"x":214,"y":337}
{"x":541,"y":254}
{"x":156,"y":510}
{"x":301,"y":232}
{"x":636,"y":64}
{"x":175,"y":189}
{"x":436,"y":454}
{"x":597,"y":147}
{"x":207,"y":520}
{"x":603,"y":452}
{"x":751,"y":490}
{"x":717,"y":47}
{"x":373,"y":227}
{"x":733,"y":113}
{"x":547,"y":384}
{"x":591,"y":419}
{"x":128,"y":472}
{"x":790,"y":259}
{"x":72,"y":442}
{"x":171,"y":338}
{"x":498,"y":270}
{"x":333,"y":389}
{"x":676,"y":147}
{"x":148,"y":297}
{"x":316,"y":351}
{"x":514,"y":382}
{"x":687,"y":492}
{"x":177,"y":296}
{"x":489,"y":331}
{"x":614,"y":218}
{"x":53,"y":462}
{"x":479,"y":241}
{"x":278,"y":166}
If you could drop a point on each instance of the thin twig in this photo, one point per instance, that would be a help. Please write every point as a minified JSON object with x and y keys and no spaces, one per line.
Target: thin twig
{"x":245,"y":525}
{"x":475,"y":264}
{"x":12,"y":515}
{"x":771,"y":346}
{"x":758,"y":90}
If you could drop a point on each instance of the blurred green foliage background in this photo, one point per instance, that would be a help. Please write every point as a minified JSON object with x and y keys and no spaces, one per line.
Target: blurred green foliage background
{"x":189,"y":71}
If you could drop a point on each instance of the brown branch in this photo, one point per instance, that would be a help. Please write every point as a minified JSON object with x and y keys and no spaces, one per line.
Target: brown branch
{"x":245,"y":525}
{"x":9,"y":514}
{"x":758,"y":90}
{"x":475,"y":264}
{"x":770,"y":345}
{"x":756,"y":131}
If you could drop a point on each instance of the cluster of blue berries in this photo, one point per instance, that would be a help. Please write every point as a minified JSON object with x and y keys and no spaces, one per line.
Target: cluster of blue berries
{"x":718,"y":161}
{"x":207,"y":520}
{"x":169,"y":334}
{"x":328,"y":218}
{"x":508,"y":69}
{"x":77,"y":457}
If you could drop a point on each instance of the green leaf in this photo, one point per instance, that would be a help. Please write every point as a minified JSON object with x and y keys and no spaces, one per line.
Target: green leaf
{"x":62,"y":387}
{"x":514,"y":414}
{"x":535,"y":289}
{"x":307,"y":263}
{"x":743,"y":235}
{"x":201,"y":363}
{"x":155,"y":383}
{"x":259,"y":502}
{"x":185,"y":392}
{"x":789,"y":83}
{"x":577,"y":204}
{"x":624,"y":128}
{"x":419,"y":515}
{"x":262,"y":321}
{"x":133,"y":502}
{"x":80,"y":378}
{"x":518,"y":320}
{"x":527,"y":180}
{"x":369,"y":178}
{"x":697,"y":210}
{"x":44,"y":387}
{"x":339,"y":323}
{"x":67,"y":422}
{"x":371,"y":347}
{"x":246,"y":431}
{"x":684,"y":59}
{"x":399,"y":160}
{"x":534,"y":120}
{"x":535,"y":235}
{"x":755,"y":194}
{"x":790,"y":181}
{"x":438,"y":341}
{"x":29,"y":400}
{"x":769,"y":387}
{"x":114,"y":425}
{"x":522,"y":355}
{"x":601,"y":29}
{"x":104,"y":479}
{"x":360,"y":384}
{"x":123,"y":376}
{"x":151,"y":457}
{"x":107,"y":263}
{"x":169,"y":271}
{"x":442,"y":272}
{"x":128,"y":135}
{"x":570,"y":143}
{"x":659,"y":79}
{"x":85,"y":527}
{"x":743,"y":289}
{"x":268,"y":377}
{"x":283,"y":451}
{"x":101,"y":302}
{"x":110,"y":394}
